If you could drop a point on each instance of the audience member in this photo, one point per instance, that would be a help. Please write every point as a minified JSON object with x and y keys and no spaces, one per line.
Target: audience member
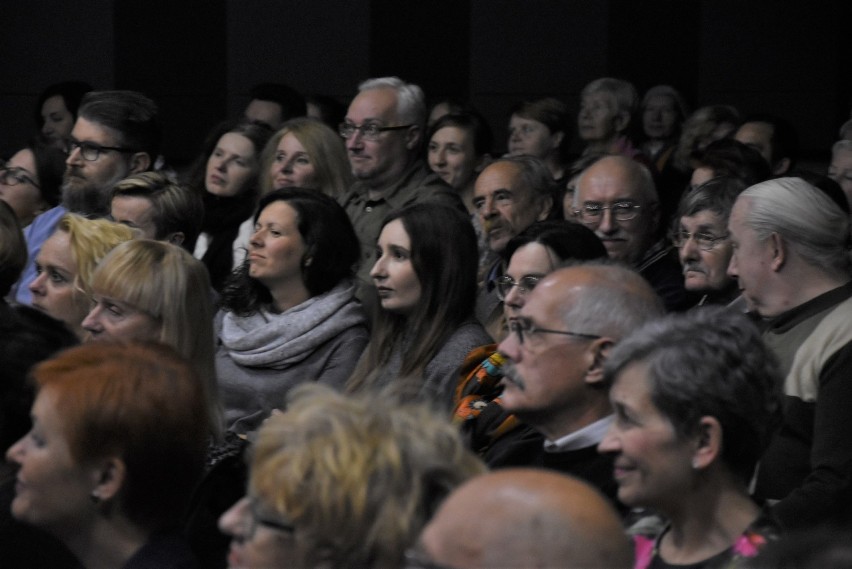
{"x":523,"y":518}
{"x":64,"y":267}
{"x":117,"y":445}
{"x":305,"y":153}
{"x":425,"y":282}
{"x":509,"y":195}
{"x":226,"y":175}
{"x":535,"y":252}
{"x":840,"y":169}
{"x":791,"y":258}
{"x":447,"y":106}
{"x":289,"y":314}
{"x":663,"y":112}
{"x":702,"y":127}
{"x":540,"y":128}
{"x":458,"y":150}
{"x":56,"y":110}
{"x":384,"y":130}
{"x":616,"y":198}
{"x":272,"y":104}
{"x":30,"y":180}
{"x":158,"y":208}
{"x":150,"y":291}
{"x":13,"y":250}
{"x":607,"y":109}
{"x":553,"y":377}
{"x":696,"y":397}
{"x":116,"y":134}
{"x":729,"y":157}
{"x":774,"y":138}
{"x":703,"y":242}
{"x":339,"y":481}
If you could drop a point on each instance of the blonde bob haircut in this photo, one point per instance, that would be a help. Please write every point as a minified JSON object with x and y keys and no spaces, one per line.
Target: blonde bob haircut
{"x":325,"y":149}
{"x":358,"y":476}
{"x":90,"y":240}
{"x":168,"y":283}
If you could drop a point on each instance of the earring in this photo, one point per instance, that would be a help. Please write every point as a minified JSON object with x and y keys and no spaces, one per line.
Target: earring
{"x":95,"y":498}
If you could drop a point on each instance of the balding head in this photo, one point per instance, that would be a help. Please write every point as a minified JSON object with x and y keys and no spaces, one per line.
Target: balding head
{"x":526,"y":518}
{"x":614,"y":181}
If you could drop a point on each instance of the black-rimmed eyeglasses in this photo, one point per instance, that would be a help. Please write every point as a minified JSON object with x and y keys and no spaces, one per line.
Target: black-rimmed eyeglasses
{"x":91,"y":151}
{"x":15,"y":176}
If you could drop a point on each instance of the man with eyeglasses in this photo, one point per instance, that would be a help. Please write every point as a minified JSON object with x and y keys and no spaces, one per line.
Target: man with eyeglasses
{"x":703,"y":242}
{"x":116,"y":134}
{"x":383,"y":131}
{"x":616,"y":198}
{"x":553,"y":376}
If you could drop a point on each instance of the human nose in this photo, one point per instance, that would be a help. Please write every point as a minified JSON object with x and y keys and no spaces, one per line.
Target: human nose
{"x":37,"y":286}
{"x":515,"y":299}
{"x":355,"y":140}
{"x":441,"y":157}
{"x":75,"y":156}
{"x":256,"y":240}
{"x":379,"y":270}
{"x":610,"y":443}
{"x":732,"y":266}
{"x":607,"y":223}
{"x":488,"y":209}
{"x":511,"y":347}
{"x":15,"y":452}
{"x":689,"y":250}
{"x":232,"y":522}
{"x":92,"y":321}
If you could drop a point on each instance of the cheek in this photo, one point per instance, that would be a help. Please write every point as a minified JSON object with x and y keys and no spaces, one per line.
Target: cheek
{"x":305,"y":175}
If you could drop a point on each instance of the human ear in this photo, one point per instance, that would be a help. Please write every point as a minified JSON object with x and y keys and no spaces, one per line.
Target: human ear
{"x":139,"y":162}
{"x":779,"y":252}
{"x":109,"y":475}
{"x":176,"y":238}
{"x":708,"y":443}
{"x":598,"y":351}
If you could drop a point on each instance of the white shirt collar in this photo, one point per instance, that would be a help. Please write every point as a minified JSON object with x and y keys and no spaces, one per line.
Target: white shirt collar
{"x":587,"y":436}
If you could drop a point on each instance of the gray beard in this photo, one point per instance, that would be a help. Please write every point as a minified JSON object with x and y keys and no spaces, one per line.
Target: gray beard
{"x":87,"y":200}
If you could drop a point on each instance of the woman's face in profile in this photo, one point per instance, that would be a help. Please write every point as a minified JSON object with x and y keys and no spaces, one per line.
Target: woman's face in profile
{"x":54,"y":290}
{"x":260,"y":538}
{"x":653,"y":466}
{"x":52,"y":491}
{"x":393,"y":273}
{"x":112,"y":319}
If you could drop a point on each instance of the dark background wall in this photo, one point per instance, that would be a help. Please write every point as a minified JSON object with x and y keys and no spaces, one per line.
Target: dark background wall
{"x":198,"y":59}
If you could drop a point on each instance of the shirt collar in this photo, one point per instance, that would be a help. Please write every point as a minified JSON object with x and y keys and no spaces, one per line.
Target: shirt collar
{"x":587,"y":436}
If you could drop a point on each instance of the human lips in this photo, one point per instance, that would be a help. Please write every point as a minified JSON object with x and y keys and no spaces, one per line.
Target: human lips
{"x":384,"y":291}
{"x":283,"y":182}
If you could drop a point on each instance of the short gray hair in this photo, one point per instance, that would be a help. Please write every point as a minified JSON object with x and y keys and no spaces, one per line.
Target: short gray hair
{"x":708,"y":362}
{"x":811,"y":224}
{"x":410,"y":100}
{"x":534,"y":174}
{"x":620,"y":301}
{"x":623,"y":92}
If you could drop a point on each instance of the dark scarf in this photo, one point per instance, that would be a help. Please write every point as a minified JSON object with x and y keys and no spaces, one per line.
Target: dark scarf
{"x":222,"y":219}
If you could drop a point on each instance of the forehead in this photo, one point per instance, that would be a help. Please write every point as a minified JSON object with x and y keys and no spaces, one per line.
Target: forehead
{"x":842,"y":156}
{"x":755,"y":131}
{"x":89,"y":131}
{"x":632,"y":386}
{"x":131,"y":205}
{"x":23,"y":159}
{"x":236,"y":143}
{"x":498,"y":176}
{"x":603,"y":98}
{"x":704,"y":219}
{"x":394,"y":233}
{"x":373,"y":104}
{"x":279,"y":212}
{"x":290,"y":141}
{"x":554,"y":295}
{"x":660,"y":101}
{"x":529,"y":259}
{"x":54,"y":104}
{"x":56,"y":250}
{"x":452,"y":134}
{"x":607,"y":181}
{"x":736,"y":223}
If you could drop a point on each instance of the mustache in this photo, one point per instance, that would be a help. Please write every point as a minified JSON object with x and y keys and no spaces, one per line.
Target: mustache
{"x":511,"y":375}
{"x":691,"y":266}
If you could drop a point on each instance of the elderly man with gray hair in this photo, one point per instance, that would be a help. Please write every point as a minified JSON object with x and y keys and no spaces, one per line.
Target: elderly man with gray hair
{"x":792,"y":261}
{"x":383,"y":131}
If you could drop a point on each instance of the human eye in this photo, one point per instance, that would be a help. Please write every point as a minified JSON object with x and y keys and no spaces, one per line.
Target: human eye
{"x":371,"y":129}
{"x":623,"y":418}
{"x":399,"y":254}
{"x":592,"y":208}
{"x":56,"y":277}
{"x":36,"y":437}
{"x":503,"y":197}
{"x":114,"y":309}
{"x":218,"y":152}
{"x":433,"y":147}
{"x":453,"y":149}
{"x":478,"y":203}
{"x":303,"y":160}
{"x":280,"y":156}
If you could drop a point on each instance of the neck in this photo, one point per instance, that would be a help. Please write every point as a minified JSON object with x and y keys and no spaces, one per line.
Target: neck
{"x":800,"y":286}
{"x":708,"y":518}
{"x":466,"y":196}
{"x":376,"y":187}
{"x":571,"y":419}
{"x":108,"y":543}
{"x":289,"y":294}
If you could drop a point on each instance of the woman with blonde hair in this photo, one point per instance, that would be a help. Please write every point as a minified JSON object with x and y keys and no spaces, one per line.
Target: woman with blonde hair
{"x":146,"y":290}
{"x":340,"y":482}
{"x":65,"y":265}
{"x":306,"y":153}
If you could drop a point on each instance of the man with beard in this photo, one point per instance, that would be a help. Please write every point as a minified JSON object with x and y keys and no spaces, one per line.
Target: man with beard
{"x":116,"y":134}
{"x":553,"y":378}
